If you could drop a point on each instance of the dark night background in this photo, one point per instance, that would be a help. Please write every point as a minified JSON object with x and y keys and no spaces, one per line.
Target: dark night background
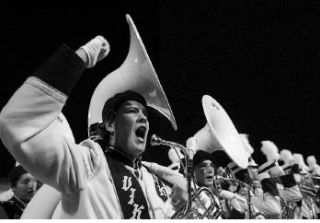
{"x":259,"y":59}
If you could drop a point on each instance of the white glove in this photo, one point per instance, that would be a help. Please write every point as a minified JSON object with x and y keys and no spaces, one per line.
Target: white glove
{"x":96,"y":49}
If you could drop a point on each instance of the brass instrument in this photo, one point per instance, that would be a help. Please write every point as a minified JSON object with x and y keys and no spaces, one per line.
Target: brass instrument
{"x":311,"y":204}
{"x":316,"y":181}
{"x":219,"y":133}
{"x":205,"y":206}
{"x":209,"y":209}
{"x":224,"y":204}
{"x":310,"y":189}
{"x":136,"y":73}
{"x":156,"y":141}
{"x":288,"y":209}
{"x":253,"y":214}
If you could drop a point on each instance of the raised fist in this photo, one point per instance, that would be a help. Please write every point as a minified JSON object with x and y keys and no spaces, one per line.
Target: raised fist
{"x":96,"y":49}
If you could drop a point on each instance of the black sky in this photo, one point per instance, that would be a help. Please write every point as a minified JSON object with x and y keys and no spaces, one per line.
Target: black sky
{"x":258,"y":59}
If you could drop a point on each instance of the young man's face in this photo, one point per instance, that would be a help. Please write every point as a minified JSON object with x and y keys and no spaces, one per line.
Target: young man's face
{"x":131,"y":128}
{"x":204,"y":173}
{"x":243,"y":191}
{"x":25,"y":187}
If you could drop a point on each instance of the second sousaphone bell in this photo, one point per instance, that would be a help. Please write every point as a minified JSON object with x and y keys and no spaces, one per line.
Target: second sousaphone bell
{"x":220,"y":134}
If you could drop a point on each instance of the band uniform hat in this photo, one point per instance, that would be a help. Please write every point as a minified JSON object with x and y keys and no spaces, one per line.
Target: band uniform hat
{"x":298,"y":158}
{"x":235,"y":169}
{"x":287,"y":158}
{"x":271,"y":166}
{"x":201,"y":156}
{"x":238,"y":172}
{"x":15,"y":174}
{"x":113,"y":103}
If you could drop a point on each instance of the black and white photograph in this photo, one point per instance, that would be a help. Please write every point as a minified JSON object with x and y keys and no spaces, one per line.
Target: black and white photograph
{"x":160,"y":110}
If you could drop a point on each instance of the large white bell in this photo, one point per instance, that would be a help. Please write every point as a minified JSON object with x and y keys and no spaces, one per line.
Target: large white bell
{"x":220,"y":134}
{"x":136,"y":73}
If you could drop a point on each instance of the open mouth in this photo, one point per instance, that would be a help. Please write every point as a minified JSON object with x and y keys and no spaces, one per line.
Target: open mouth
{"x":30,"y":191}
{"x":209,"y":177}
{"x":141,"y":133}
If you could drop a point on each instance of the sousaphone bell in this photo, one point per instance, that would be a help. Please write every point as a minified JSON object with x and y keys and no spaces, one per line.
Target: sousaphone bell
{"x":136,"y":73}
{"x":220,"y":133}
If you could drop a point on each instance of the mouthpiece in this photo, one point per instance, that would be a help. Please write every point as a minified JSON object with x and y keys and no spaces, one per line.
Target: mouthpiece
{"x":155,"y":140}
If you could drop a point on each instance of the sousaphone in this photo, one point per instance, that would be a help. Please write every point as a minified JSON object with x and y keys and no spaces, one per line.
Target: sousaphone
{"x":220,"y":134}
{"x":136,"y":73}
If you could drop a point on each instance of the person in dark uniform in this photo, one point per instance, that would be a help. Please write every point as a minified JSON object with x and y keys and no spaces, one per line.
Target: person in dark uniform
{"x":23,"y":186}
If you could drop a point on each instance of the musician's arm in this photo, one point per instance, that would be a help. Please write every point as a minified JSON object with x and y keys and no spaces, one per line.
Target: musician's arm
{"x":237,"y":202}
{"x":290,"y":190}
{"x":269,"y":203}
{"x":31,"y":129}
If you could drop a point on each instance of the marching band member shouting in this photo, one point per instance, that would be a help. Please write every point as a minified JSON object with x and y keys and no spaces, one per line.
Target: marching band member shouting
{"x":93,"y":184}
{"x":206,"y":192}
{"x":204,"y":172}
{"x":23,"y":185}
{"x":204,"y":176}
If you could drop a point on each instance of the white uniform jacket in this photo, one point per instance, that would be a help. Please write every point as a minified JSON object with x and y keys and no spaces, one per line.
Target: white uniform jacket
{"x":32,"y":131}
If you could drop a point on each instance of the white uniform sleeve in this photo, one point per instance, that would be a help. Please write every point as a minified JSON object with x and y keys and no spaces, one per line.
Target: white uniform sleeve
{"x":267,"y":204}
{"x":291,"y":194}
{"x":31,"y":130}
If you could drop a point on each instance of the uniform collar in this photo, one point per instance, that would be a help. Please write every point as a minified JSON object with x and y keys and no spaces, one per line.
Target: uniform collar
{"x":123,"y":158}
{"x":18,"y":202}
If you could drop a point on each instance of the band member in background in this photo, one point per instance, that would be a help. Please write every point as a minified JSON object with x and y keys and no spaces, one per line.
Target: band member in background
{"x":286,"y":160}
{"x":93,"y":184}
{"x":313,"y":165}
{"x":307,"y":207}
{"x":286,"y":183}
{"x":261,"y":193}
{"x":23,"y":186}
{"x":205,"y":176}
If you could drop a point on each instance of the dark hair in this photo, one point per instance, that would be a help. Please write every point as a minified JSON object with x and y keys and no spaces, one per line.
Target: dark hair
{"x":243,"y":175}
{"x":15,"y":175}
{"x":113,"y":104}
{"x":97,"y":131}
{"x":201,"y":156}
